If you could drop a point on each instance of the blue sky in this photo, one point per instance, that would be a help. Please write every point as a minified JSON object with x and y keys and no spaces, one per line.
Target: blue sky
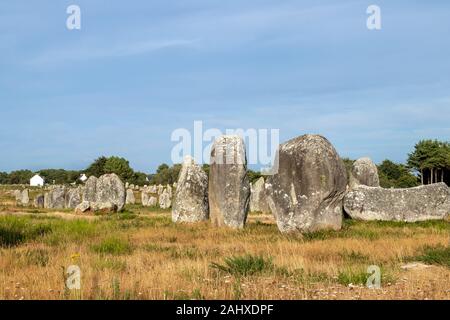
{"x":137,"y":70}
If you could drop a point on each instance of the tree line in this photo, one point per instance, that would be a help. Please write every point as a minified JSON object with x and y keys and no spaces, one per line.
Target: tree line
{"x":429,"y":162}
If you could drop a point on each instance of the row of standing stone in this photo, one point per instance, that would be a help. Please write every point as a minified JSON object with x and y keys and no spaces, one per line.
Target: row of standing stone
{"x":307,"y":192}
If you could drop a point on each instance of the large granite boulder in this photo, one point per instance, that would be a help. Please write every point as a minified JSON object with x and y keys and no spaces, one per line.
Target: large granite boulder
{"x":111,"y":190}
{"x":429,"y":202}
{"x":55,"y":198}
{"x":191,"y":195}
{"x":90,"y":189}
{"x":229,"y":187}
{"x":130,"y":197}
{"x":258,"y":201}
{"x":306,"y":193}
{"x":145,"y":198}
{"x":73,"y":198}
{"x":364,"y":172}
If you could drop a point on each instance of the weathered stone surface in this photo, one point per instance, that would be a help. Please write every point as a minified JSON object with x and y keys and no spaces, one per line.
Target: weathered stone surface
{"x":39,"y":201}
{"x":160,"y":189}
{"x":229,"y":187}
{"x":429,"y":202}
{"x":169,"y":190}
{"x":90,"y":189}
{"x":152,"y":202}
{"x":258,"y":202}
{"x":153,"y":189}
{"x":145,"y":198}
{"x":83,"y":207}
{"x":104,"y":207}
{"x":55,"y":198}
{"x":73,"y":198}
{"x":130,"y":197}
{"x":165,"y":202}
{"x":110,"y":189}
{"x":364,"y":172}
{"x":191,"y":196}
{"x":17,"y":195}
{"x":24,"y":198}
{"x":306,"y":193}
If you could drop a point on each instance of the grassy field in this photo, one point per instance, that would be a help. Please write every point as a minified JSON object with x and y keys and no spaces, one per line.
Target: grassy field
{"x":141,"y":254}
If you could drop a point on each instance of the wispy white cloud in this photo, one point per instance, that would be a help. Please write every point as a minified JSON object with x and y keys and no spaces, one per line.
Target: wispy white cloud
{"x":92,"y":50}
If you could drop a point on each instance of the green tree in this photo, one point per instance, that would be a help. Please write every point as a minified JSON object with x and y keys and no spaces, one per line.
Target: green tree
{"x":139,"y":179}
{"x":395,"y":175}
{"x":4,"y":178}
{"x":119,"y":166}
{"x":20,"y":177}
{"x":431,"y":160}
{"x":97,"y":168}
{"x":165,"y":174}
{"x":60,"y":176}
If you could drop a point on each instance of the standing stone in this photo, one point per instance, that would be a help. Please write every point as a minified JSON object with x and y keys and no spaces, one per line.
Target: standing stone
{"x":110,"y":189}
{"x":24,"y":198}
{"x":127,"y":185}
{"x":191,"y":195}
{"x":160,"y":189}
{"x":229,"y":187}
{"x":17,"y":195}
{"x":90,"y":189}
{"x":152,"y":202}
{"x":55,"y":198}
{"x":39,"y":201}
{"x":144,"y":198}
{"x":169,"y":190}
{"x":306,"y":193}
{"x":130,"y":197}
{"x":164,"y":200}
{"x":429,"y":202}
{"x":258,"y":202}
{"x":73,"y":198}
{"x":364,"y":172}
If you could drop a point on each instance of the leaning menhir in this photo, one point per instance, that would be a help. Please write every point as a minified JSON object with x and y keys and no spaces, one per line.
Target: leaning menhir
{"x":229,"y":187}
{"x":307,"y":191}
{"x":429,"y":202}
{"x":191,"y":194}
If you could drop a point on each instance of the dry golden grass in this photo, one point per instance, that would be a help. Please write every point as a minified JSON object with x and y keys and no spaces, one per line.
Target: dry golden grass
{"x":143,"y":255}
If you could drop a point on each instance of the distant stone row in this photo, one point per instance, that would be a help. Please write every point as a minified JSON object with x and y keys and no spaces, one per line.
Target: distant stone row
{"x":104,"y":194}
{"x":309,"y":192}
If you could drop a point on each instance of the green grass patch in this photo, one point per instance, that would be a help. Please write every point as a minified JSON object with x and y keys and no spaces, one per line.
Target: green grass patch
{"x":113,"y":246}
{"x":17,"y":230}
{"x":246,"y":265}
{"x":435,"y":255}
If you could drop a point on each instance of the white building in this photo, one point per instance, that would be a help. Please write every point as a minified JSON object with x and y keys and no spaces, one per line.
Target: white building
{"x":83,"y":178}
{"x":37,"y":181}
